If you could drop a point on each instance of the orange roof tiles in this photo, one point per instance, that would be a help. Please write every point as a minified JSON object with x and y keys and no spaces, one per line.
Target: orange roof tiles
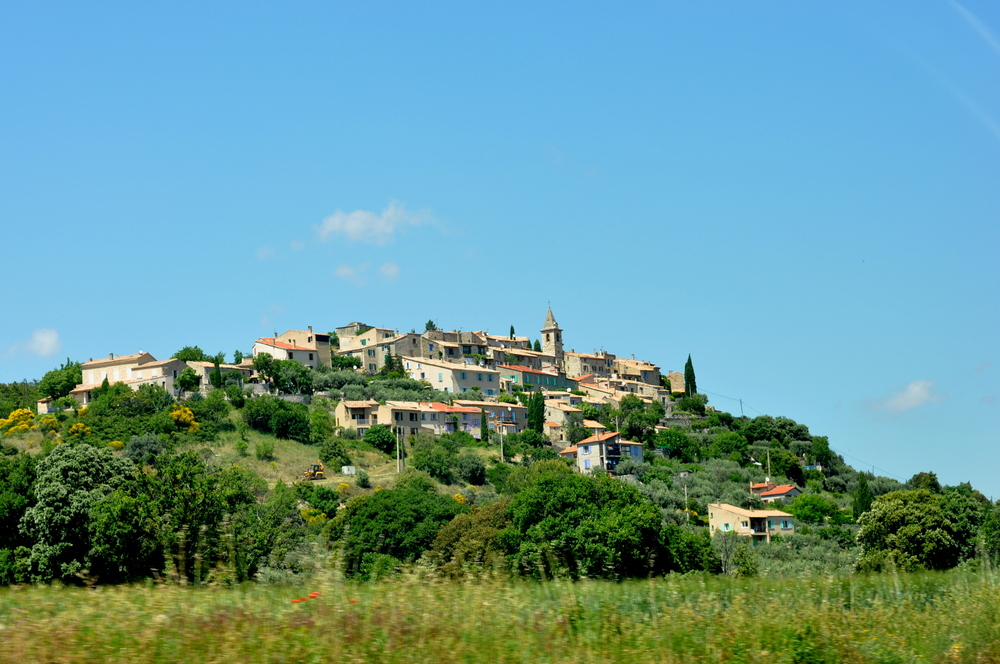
{"x":269,"y":341}
{"x":780,"y":490}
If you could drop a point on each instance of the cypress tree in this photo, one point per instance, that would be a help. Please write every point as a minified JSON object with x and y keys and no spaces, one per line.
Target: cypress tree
{"x":511,"y":331}
{"x":690,"y":384}
{"x":538,"y":346}
{"x":863,"y":497}
{"x":484,"y":427}
{"x":536,"y":412}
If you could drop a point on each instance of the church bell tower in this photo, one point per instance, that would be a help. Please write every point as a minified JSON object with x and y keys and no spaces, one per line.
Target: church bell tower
{"x":552,"y":338}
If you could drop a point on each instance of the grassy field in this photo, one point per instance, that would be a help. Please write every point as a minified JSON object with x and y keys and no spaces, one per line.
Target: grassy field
{"x":952,"y":617}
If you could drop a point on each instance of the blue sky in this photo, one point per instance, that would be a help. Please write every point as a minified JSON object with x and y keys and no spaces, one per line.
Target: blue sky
{"x":803,"y":198}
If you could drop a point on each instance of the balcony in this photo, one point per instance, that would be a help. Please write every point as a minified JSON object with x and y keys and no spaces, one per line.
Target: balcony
{"x":359,"y":422}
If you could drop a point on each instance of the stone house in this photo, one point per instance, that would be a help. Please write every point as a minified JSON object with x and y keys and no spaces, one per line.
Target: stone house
{"x":602,"y":452}
{"x":760,"y":525}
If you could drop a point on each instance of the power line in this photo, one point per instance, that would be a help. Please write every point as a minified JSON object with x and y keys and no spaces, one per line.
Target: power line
{"x":871,"y":465}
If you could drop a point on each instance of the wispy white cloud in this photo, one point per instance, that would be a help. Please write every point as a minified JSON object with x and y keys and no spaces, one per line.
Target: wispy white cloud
{"x":298,"y":245}
{"x":984,"y":367}
{"x":912,"y":395}
{"x":978,"y":26}
{"x":44,"y":342}
{"x":264,"y":252}
{"x":355,"y":275}
{"x":376,"y":228}
{"x":390,"y":271}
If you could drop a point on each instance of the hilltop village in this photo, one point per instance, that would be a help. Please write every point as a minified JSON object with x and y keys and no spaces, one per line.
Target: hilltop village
{"x":475,"y":370}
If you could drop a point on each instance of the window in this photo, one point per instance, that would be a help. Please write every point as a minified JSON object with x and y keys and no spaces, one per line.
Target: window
{"x":479,"y":377}
{"x":422,"y":375}
{"x":464,"y":390}
{"x":451,"y":351}
{"x":467,"y":350}
{"x":397,"y":416}
{"x":364,"y":342}
{"x":407,"y":366}
{"x":462,"y":374}
{"x":745,"y":524}
{"x":413,"y":431}
{"x":372,"y":367}
{"x":430,"y":347}
{"x":309,"y":340}
{"x":586,"y":463}
{"x":727,"y":527}
{"x":413,"y":417}
{"x":586,"y":449}
{"x":465,"y":416}
{"x":289,"y":355}
{"x":310,"y":356}
{"x":489,"y":392}
{"x":786,"y":525}
{"x":489,"y":378}
{"x":434,"y":416}
{"x":770,"y":524}
{"x":371,"y":352}
{"x":440,"y":377}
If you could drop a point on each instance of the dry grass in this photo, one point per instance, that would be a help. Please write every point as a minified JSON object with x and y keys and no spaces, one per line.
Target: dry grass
{"x":917,"y":618}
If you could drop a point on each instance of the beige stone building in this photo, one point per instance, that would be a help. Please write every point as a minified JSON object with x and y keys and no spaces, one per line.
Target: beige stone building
{"x":134,"y":370}
{"x":676,"y":380}
{"x":601,"y":364}
{"x":453,"y":377}
{"x":309,"y":339}
{"x":756,"y":524}
{"x":637,"y":370}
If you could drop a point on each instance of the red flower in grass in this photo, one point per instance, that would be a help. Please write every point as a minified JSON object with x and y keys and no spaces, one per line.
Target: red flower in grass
{"x":314,"y":595}
{"x":296,"y":601}
{"x":352,"y":601}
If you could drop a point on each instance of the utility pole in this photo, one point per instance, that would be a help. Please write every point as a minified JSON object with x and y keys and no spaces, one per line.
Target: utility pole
{"x":742,"y":416}
{"x":768,"y":466}
{"x":687,"y":511}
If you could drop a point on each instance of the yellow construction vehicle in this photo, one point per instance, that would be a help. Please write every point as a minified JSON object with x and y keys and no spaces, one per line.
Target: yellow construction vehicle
{"x":315,"y":472}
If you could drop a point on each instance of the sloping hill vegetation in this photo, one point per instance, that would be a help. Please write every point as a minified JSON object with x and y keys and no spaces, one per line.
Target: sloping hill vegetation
{"x":208,"y":489}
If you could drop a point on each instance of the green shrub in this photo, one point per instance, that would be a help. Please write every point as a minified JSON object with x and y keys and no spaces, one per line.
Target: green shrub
{"x":264,"y":450}
{"x":362,"y":481}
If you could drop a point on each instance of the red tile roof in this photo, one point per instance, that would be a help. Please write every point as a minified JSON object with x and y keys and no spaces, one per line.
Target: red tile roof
{"x":780,"y":490}
{"x":601,"y":437}
{"x":445,"y":408}
{"x":269,"y":341}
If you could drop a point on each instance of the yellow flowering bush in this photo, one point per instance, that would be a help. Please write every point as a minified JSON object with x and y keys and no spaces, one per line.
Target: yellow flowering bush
{"x":78,"y":431}
{"x":116,"y":444}
{"x":460,"y":499}
{"x":184,"y":418}
{"x":21,"y":420}
{"x":48,"y":424}
{"x":344,"y":489}
{"x":313,"y":516}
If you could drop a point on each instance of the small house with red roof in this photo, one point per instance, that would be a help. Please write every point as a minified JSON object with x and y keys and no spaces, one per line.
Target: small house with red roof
{"x":283,"y":350}
{"x":603,"y":452}
{"x":780,"y":492}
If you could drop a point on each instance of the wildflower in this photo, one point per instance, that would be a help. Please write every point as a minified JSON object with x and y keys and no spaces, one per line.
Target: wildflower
{"x":353,"y":601}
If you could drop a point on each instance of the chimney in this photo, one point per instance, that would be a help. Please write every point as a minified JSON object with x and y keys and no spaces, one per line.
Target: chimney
{"x":111,"y":356}
{"x":633,"y":354}
{"x":310,"y":328}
